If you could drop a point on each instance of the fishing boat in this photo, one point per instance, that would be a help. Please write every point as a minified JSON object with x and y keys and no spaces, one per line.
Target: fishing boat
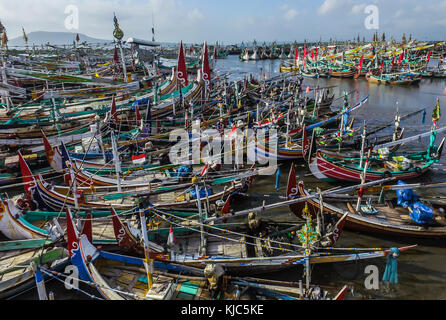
{"x":375,"y":217}
{"x":17,"y":275}
{"x":144,"y":279}
{"x":335,"y":167}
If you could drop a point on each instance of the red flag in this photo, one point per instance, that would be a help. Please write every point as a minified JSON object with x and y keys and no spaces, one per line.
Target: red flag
{"x":312,"y":54}
{"x":27,"y":176}
{"x":181,"y":68}
{"x":72,"y":235}
{"x":401,"y":58}
{"x":381,"y":67}
{"x":297,"y":54}
{"x":113,"y":110}
{"x":308,"y":90}
{"x":393,"y":61}
{"x":87,"y":228}
{"x":138,"y":116}
{"x":429,"y":56}
{"x":206,"y":70}
{"x":360,"y":64}
{"x":317,"y":53}
{"x":215,"y":52}
{"x":205,"y":170}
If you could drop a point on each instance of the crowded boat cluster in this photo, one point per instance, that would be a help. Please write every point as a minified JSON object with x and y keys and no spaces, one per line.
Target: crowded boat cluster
{"x":127,"y":164}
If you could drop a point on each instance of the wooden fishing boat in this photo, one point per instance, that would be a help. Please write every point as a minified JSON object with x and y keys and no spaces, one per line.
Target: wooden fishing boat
{"x":329,"y":166}
{"x":222,"y":241}
{"x":344,"y":73}
{"x":17,"y":275}
{"x":45,"y":196}
{"x":387,"y":218}
{"x":102,"y":270}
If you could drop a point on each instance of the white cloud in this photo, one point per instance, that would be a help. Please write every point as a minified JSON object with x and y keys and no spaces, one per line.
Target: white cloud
{"x":358,"y":8}
{"x":195,"y":15}
{"x":399,"y":13}
{"x":290,"y":14}
{"x":330,"y":5}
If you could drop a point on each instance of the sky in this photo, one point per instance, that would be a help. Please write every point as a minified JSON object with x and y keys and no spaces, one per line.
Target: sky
{"x":229,"y":21}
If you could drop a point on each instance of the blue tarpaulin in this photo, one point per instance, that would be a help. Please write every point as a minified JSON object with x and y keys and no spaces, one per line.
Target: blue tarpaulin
{"x":420,"y":213}
{"x":202,"y":193}
{"x":184,"y":171}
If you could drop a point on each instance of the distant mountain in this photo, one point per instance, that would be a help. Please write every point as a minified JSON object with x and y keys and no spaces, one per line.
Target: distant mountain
{"x":56,"y":38}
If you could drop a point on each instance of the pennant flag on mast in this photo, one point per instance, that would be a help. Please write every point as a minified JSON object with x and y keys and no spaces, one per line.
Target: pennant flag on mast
{"x":181,"y":68}
{"x":171,"y":241}
{"x":215,"y":51}
{"x":113,"y":110}
{"x":206,"y":69}
{"x":428,"y":57}
{"x":138,"y":116}
{"x":25,"y":37}
{"x":205,"y":170}
{"x":360,"y":64}
{"x":401,"y":58}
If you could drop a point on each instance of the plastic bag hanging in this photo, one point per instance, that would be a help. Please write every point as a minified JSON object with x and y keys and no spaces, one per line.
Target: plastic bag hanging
{"x":391,"y":272}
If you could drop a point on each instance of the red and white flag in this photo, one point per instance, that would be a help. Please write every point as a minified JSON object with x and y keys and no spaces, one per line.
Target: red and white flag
{"x":206,"y":69}
{"x":205,"y":170}
{"x":233,"y":133}
{"x":139,"y":159}
{"x":171,"y":241}
{"x":181,"y":68}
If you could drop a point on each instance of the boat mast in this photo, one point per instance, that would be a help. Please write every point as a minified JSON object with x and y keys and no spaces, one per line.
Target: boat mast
{"x":148,"y":263}
{"x":116,"y":161}
{"x":119,"y":34}
{"x":6,"y":92}
{"x":363,"y":144}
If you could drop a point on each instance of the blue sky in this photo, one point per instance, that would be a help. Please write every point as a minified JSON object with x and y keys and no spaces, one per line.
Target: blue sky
{"x":230,"y":20}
